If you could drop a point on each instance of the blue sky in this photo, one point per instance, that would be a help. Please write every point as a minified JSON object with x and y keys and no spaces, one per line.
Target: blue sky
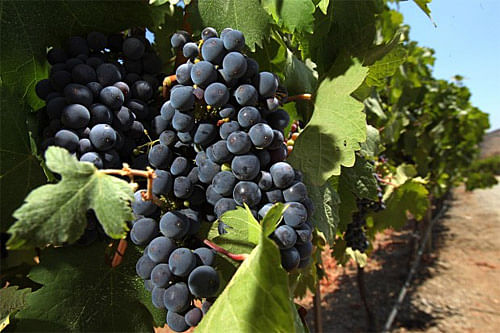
{"x":467,"y":42}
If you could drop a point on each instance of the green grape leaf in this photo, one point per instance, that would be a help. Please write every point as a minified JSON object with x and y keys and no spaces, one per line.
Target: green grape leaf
{"x":243,"y":231}
{"x":326,"y":209}
{"x":336,"y":128}
{"x":300,"y":77}
{"x":234,"y":14}
{"x":347,"y":206}
{"x":259,"y":289}
{"x":372,"y":147}
{"x":19,"y":169}
{"x":12,"y":300}
{"x":360,"y":179}
{"x":81,"y":293}
{"x":411,"y":197}
{"x":323,"y":6}
{"x":55,"y":214}
{"x":422,"y":4}
{"x":295,"y":16}
{"x":386,"y":66}
{"x":358,"y":257}
{"x":273,"y":217}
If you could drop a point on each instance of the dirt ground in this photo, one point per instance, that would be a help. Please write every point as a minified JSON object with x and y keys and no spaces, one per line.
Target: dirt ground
{"x":456,"y":289}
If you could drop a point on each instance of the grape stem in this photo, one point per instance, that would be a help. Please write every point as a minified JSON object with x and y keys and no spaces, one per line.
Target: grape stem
{"x":119,"y":253}
{"x":237,"y":257}
{"x":383,"y":181}
{"x":300,"y":97}
{"x":126,"y":171}
{"x":167,"y":83}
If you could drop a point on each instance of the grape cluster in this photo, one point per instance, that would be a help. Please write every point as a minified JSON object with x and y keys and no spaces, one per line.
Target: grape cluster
{"x":100,"y":97}
{"x":355,"y":236}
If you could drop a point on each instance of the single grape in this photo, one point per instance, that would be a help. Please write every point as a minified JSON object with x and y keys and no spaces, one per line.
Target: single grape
{"x":56,"y":55}
{"x":234,"y":40}
{"x":95,"y":88}
{"x":246,"y":94}
{"x":296,"y":192}
{"x":144,"y":266}
{"x":96,"y":41}
{"x":193,"y":317}
{"x":216,"y":94}
{"x":203,"y":73}
{"x":148,"y":285}
{"x":180,"y":166}
{"x":142,"y":90}
{"x":43,"y":88}
{"x":161,"y":275}
{"x":219,"y":153}
{"x":160,"y":156}
{"x":245,"y":167}
{"x":193,"y":175}
{"x":182,"y":98}
{"x":212,"y":196}
{"x":177,"y":298}
{"x":305,"y":250}
{"x":227,"y":111}
{"x":133,"y":48}
{"x":181,"y":262}
{"x":71,"y":63}
{"x":159,"y":125}
{"x":84,"y":146}
{"x":265,"y":181}
{"x":183,"y":188}
{"x":252,"y":68}
{"x":205,"y":134}
{"x":213,"y":50}
{"x":141,"y":206}
{"x":278,"y":119}
{"x":239,"y":143}
{"x":280,"y":154}
{"x":168,"y":138}
{"x":136,"y":130}
{"x":183,"y":73}
{"x":143,"y":231}
{"x":176,"y":322}
{"x":295,"y":214}
{"x":304,"y":233}
{"x":290,"y":258}
{"x":93,"y":158}
{"x":103,"y":137}
{"x":268,"y":84}
{"x":112,"y":97}
{"x":205,"y":255}
{"x":208,"y":32}
{"x":278,"y":139}
{"x":179,"y":38}
{"x":66,"y":139}
{"x":247,"y":193}
{"x":228,"y":128}
{"x":223,"y":205}
{"x":283,"y":174}
{"x":174,"y":225}
{"x":248,"y":116}
{"x":83,"y":74}
{"x":234,"y":65}
{"x":78,"y":94}
{"x":206,"y":168}
{"x":274,"y":196}
{"x":124,"y":88}
{"x":162,"y":183}
{"x":75,"y":116}
{"x":205,"y":306}
{"x":160,"y":248}
{"x":182,"y":122}
{"x":124,"y":118}
{"x":204,"y":282}
{"x":108,"y":74}
{"x":264,"y":157}
{"x":157,"y":295}
{"x":185,"y":137}
{"x":285,"y":237}
{"x":77,"y":45}
{"x":224,"y":182}
{"x":261,"y":135}
{"x":190,"y":50}
{"x":60,"y":79}
{"x":55,"y":107}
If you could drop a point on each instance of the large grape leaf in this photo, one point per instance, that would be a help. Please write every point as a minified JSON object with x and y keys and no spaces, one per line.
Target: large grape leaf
{"x":372,"y":146}
{"x":12,"y":300}
{"x":257,"y":298}
{"x":411,"y":197}
{"x":81,"y":293}
{"x":386,"y":66}
{"x":19,"y":169}
{"x":326,"y":209}
{"x":360,"y":179}
{"x":248,"y":16}
{"x":294,"y":16}
{"x":336,"y":128}
{"x":55,"y":214}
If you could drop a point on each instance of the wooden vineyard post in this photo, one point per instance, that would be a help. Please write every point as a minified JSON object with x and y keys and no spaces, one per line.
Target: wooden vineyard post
{"x":318,"y":323}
